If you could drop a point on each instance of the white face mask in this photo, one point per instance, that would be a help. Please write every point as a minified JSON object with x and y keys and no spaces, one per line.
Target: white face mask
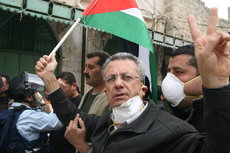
{"x":127,"y":110}
{"x":173,"y":89}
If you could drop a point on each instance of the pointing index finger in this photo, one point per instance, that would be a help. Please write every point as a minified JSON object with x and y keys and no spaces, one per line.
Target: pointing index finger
{"x":75,"y":121}
{"x":81,"y":122}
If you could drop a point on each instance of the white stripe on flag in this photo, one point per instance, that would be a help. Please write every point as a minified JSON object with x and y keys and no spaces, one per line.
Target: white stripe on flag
{"x":134,"y":12}
{"x":143,"y":55}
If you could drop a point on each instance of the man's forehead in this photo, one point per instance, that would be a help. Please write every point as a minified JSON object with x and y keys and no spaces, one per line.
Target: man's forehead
{"x":180,"y":59}
{"x":62,"y":80}
{"x":184,"y":57}
{"x":92,"y":61}
{"x":129,"y":61}
{"x":121,"y":66}
{"x":178,"y":67}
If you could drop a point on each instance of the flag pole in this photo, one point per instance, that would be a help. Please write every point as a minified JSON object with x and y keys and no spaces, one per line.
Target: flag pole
{"x":65,"y":36}
{"x":71,"y":29}
{"x":92,"y":6}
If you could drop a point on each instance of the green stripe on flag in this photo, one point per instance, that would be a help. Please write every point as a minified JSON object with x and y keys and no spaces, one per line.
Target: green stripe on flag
{"x":123,"y":25}
{"x":153,"y":72}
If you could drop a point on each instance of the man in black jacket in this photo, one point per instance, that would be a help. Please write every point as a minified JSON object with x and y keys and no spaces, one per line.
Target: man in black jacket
{"x":183,"y":69}
{"x":68,"y":84}
{"x":135,"y":126}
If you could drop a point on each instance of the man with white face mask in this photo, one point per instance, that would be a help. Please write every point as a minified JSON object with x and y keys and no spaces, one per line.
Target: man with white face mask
{"x":150,"y":129}
{"x":182,"y":69}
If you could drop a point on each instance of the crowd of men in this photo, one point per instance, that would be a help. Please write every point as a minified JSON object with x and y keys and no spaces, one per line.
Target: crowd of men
{"x":115,"y":115}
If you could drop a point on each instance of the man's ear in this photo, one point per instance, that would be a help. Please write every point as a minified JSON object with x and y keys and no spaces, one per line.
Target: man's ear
{"x":143,"y":91}
{"x":74,"y":85}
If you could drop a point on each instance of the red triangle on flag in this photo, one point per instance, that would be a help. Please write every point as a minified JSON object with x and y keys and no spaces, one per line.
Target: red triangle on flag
{"x":103,"y":6}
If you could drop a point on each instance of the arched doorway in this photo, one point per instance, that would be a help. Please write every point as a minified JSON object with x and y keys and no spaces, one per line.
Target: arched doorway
{"x":23,"y":40}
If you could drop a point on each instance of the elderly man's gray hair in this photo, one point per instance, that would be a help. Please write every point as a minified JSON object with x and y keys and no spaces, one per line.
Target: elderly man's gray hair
{"x":124,"y":56}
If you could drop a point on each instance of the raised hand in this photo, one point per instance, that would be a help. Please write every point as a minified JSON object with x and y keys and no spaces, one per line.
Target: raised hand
{"x":45,"y":65}
{"x":212,"y":52}
{"x":45,"y":68}
{"x":76,"y":134}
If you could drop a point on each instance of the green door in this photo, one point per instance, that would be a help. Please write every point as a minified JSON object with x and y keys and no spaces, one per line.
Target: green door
{"x":23,"y":40}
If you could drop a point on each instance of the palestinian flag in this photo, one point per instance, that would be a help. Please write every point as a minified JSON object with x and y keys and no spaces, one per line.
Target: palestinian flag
{"x":150,"y":62}
{"x":118,"y":17}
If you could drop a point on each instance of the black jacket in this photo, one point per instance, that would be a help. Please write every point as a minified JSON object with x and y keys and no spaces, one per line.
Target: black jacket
{"x":58,"y":143}
{"x":156,"y":131}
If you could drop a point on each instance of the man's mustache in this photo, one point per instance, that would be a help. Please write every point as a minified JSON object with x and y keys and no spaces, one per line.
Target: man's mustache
{"x":87,"y":76}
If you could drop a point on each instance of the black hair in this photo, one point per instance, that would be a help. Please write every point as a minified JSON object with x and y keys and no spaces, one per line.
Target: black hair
{"x":186,"y":50}
{"x":69,"y":78}
{"x":103,"y":56}
{"x":148,"y":94}
{"x":159,"y":92}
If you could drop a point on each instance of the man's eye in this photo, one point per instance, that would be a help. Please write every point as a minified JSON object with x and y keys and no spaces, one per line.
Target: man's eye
{"x":126,"y":77}
{"x":89,"y":67}
{"x":111,"y":79}
{"x":179,"y":72}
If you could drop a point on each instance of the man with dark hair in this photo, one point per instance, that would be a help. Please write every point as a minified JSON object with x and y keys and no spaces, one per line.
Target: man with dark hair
{"x":4,"y":99}
{"x":182,"y":63}
{"x":103,"y":56}
{"x":186,"y":50}
{"x":94,"y":101}
{"x":183,"y":68}
{"x":68,"y":84}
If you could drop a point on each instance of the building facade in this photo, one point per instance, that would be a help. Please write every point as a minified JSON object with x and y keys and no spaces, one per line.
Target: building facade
{"x":31,"y":28}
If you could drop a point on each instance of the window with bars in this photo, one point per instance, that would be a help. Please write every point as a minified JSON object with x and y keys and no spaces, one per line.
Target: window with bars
{"x":23,"y":39}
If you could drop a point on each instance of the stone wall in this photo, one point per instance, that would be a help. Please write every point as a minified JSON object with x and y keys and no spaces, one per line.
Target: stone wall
{"x":70,"y":50}
{"x":170,"y":16}
{"x":178,"y":11}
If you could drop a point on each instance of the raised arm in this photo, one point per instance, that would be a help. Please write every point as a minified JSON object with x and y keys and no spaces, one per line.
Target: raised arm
{"x":62,"y":106}
{"x":212,"y":52}
{"x":213,"y":57}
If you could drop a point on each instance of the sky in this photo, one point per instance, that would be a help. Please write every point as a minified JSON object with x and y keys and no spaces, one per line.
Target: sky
{"x":222,"y":6}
